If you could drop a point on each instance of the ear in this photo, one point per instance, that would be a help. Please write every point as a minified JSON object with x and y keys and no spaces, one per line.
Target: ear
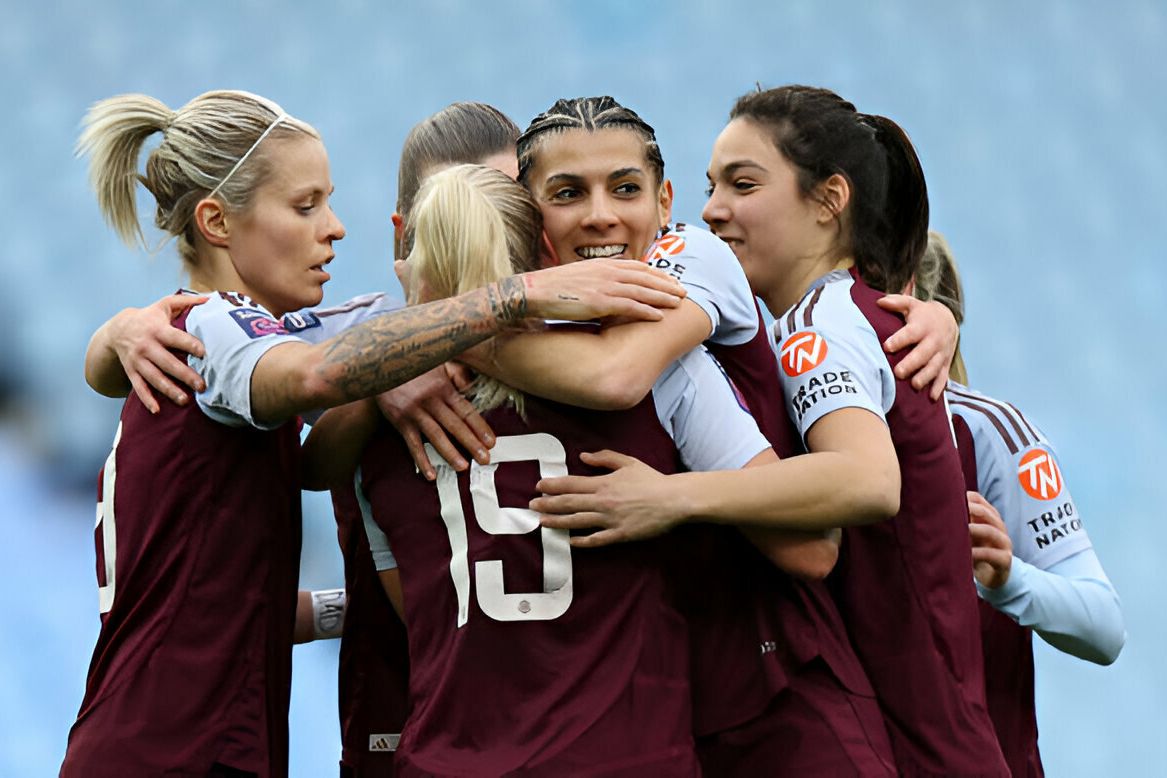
{"x":834,"y":195}
{"x":398,"y":235}
{"x":665,"y":202}
{"x":211,"y":222}
{"x":910,"y":287}
{"x":547,"y":255}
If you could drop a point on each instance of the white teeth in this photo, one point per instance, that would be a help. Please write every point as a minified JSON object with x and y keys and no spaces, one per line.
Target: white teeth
{"x":594,"y":252}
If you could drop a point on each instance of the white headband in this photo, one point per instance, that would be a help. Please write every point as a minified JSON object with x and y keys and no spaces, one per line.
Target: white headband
{"x":247,"y":153}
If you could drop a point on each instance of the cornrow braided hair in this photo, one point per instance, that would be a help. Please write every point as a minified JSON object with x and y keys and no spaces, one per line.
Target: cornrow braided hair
{"x":591,"y":114}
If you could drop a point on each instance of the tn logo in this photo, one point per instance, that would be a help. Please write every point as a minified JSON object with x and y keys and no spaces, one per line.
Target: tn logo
{"x":801,"y":352}
{"x":668,"y":246}
{"x":1039,"y":475}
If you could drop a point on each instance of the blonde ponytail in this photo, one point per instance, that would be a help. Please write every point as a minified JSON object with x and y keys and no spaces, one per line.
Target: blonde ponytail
{"x":212,"y":145}
{"x":938,"y":278}
{"x":470,"y":226}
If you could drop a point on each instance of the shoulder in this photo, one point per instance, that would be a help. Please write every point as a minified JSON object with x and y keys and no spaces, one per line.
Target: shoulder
{"x":828,"y":310}
{"x":994,"y":423}
{"x":235,"y":311}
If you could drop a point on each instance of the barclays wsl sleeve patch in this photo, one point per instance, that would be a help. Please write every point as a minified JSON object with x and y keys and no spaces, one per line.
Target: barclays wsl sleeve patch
{"x":257,"y":324}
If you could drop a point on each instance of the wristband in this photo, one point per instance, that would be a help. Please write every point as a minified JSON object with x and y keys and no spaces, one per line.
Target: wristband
{"x":327,"y":613}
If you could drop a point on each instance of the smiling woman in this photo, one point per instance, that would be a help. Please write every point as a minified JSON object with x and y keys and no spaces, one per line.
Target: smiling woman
{"x":198,"y":535}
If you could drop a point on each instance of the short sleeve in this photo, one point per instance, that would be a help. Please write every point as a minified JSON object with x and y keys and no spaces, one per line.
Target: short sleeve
{"x":713,"y":279}
{"x":706,"y":417}
{"x":235,"y":332}
{"x":383,"y":558}
{"x":316,"y":325}
{"x":837,"y":362}
{"x":1029,"y":491}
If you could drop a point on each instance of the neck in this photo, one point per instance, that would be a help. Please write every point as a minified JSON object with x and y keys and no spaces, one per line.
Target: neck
{"x":790,"y":289}
{"x":213,"y":271}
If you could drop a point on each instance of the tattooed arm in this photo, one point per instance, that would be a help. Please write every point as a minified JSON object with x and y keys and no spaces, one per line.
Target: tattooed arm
{"x":394,"y":347}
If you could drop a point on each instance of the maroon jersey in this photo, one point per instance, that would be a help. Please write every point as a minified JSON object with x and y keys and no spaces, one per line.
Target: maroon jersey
{"x":903,"y":585}
{"x":1008,"y":650}
{"x":374,"y":656}
{"x":528,"y":657}
{"x":788,"y":622}
{"x":198,"y":544}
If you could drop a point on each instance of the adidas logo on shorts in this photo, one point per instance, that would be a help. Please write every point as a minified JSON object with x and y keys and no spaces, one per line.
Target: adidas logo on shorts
{"x":383,"y":742}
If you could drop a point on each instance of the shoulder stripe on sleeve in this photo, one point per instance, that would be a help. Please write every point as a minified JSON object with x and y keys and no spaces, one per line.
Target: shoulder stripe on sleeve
{"x":790,"y":320}
{"x":992,"y":417}
{"x":807,"y":315}
{"x":1006,"y":411}
{"x":1025,"y":421}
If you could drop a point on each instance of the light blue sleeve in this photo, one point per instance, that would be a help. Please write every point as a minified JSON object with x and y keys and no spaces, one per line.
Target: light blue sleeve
{"x":235,"y":332}
{"x":1072,"y":605}
{"x":709,"y":423}
{"x":837,"y":362}
{"x":1028,"y":490}
{"x":316,"y":325}
{"x":713,"y":279}
{"x":383,"y":558}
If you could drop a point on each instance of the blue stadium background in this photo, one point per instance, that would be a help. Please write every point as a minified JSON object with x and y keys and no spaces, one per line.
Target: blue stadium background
{"x":1041,"y":129}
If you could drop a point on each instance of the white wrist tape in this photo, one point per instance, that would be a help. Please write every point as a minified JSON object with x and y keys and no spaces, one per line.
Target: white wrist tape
{"x":327,"y":613}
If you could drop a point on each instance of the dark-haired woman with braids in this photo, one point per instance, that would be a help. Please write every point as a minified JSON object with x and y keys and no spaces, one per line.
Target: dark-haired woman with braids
{"x":826,"y":209}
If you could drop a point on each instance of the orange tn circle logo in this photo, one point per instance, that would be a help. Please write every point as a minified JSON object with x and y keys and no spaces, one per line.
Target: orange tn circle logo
{"x":801,"y":352}
{"x":668,"y":246}
{"x":1039,"y":475}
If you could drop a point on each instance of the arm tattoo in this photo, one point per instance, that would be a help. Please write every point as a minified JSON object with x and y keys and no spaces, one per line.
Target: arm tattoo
{"x":394,"y":347}
{"x":509,"y":300}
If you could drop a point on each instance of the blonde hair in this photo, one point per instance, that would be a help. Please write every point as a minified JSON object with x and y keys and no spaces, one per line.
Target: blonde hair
{"x":471,"y":226}
{"x":211,"y":144}
{"x":938,"y":278}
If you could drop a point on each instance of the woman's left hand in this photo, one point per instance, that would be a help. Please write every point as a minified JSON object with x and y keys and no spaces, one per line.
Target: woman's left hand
{"x":630,"y":503}
{"x":930,"y":330}
{"x":992,"y":550}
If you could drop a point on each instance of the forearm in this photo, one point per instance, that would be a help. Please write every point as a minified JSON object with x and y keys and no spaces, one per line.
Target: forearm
{"x":611,"y":369}
{"x":809,"y":555}
{"x":383,"y":352}
{"x":815,"y":491}
{"x":575,"y":368}
{"x":332,"y":451}
{"x":103,"y":371}
{"x":1072,"y":605}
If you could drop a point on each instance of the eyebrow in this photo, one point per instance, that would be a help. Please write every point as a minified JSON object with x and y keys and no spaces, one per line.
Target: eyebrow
{"x":733,"y":167}
{"x":576,"y":178}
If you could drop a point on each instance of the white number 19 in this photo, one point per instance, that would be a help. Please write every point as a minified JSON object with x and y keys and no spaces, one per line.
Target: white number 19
{"x":495,"y":602}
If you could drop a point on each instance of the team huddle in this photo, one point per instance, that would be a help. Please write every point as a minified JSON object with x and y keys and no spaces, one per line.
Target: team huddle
{"x":597,"y":517}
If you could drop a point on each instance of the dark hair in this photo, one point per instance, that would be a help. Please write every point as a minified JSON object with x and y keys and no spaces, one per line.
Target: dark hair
{"x":822,"y":134}
{"x":591,"y":114}
{"x":460,"y":133}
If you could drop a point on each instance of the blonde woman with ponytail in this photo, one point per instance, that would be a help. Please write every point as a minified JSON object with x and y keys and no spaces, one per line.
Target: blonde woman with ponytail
{"x":198,"y":520}
{"x":1034,"y":565}
{"x":584,"y":653}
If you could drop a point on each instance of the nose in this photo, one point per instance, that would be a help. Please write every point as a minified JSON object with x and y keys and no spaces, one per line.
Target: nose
{"x":601,"y":215}
{"x":715,"y":212}
{"x":336,"y":229}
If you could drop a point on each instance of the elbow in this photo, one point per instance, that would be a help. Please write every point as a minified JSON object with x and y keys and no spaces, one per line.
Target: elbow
{"x":1115,"y":637}
{"x":618,"y":390}
{"x":817,"y":564}
{"x":876,"y":498}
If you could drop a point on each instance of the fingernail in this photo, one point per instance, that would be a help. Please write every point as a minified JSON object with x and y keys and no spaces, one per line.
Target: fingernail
{"x":488,"y":439}
{"x":480,"y":455}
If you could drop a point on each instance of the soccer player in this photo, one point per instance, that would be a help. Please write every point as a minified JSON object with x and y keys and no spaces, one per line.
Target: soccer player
{"x":198,"y":522}
{"x":823,"y":206}
{"x":1035,"y":568}
{"x":526,"y":656}
{"x":776,"y":683}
